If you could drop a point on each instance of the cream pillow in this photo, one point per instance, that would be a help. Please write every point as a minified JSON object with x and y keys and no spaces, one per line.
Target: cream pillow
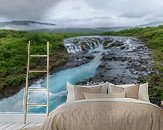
{"x":143,"y":90}
{"x":76,"y":92}
{"x":101,"y":95}
{"x":71,"y":92}
{"x":123,"y":86}
{"x":131,"y":92}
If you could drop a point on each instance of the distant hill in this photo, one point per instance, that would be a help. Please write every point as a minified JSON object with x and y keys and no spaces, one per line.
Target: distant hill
{"x":25,"y":25}
{"x":50,"y":27}
{"x":152,"y":24}
{"x":82,"y":30}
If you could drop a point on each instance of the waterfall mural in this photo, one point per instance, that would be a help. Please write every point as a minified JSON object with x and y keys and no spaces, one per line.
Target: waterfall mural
{"x":115,"y":59}
{"x":48,"y":46}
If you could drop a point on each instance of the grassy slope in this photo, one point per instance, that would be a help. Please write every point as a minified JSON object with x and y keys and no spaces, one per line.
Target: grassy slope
{"x":13,"y":55}
{"x":153,"y":38}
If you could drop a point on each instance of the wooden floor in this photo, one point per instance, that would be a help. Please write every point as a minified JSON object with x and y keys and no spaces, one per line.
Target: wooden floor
{"x":17,"y":126}
{"x":12,"y":121}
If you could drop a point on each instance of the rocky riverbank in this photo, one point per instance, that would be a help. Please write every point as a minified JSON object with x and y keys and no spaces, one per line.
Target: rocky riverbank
{"x":127,"y":60}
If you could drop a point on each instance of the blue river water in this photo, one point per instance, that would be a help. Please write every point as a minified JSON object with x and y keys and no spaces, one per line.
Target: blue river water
{"x":58,"y":81}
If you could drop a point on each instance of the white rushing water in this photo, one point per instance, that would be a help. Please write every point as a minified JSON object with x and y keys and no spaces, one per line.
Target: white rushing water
{"x":83,"y":43}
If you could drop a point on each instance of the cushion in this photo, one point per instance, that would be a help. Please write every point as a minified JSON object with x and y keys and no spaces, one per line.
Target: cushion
{"x":79,"y":91}
{"x":143,"y":90}
{"x":131,"y":92}
{"x":123,"y":85}
{"x":76,"y":92}
{"x":101,"y":95}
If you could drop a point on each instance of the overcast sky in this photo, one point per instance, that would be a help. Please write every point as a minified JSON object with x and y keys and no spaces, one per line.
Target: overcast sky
{"x":83,"y":12}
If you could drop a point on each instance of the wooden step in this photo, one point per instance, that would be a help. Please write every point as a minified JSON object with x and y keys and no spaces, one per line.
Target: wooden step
{"x":38,"y":71}
{"x":37,"y":89}
{"x":38,"y":55}
{"x":37,"y":105}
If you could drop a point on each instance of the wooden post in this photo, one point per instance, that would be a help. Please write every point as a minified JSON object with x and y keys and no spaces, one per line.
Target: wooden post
{"x":47,"y":109}
{"x":26,"y":88}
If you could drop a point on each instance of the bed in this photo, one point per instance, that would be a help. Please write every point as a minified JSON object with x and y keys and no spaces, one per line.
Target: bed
{"x":103,"y":113}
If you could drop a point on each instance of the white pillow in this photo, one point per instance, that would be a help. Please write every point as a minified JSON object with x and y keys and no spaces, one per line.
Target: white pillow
{"x":71,"y":91}
{"x":101,"y":95}
{"x":143,"y":90}
{"x":122,"y":85}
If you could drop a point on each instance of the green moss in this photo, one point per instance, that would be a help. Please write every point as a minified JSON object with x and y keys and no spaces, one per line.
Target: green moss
{"x":13,"y":54}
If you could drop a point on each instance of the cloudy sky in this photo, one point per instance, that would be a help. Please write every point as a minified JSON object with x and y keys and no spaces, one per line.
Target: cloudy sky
{"x":83,"y":12}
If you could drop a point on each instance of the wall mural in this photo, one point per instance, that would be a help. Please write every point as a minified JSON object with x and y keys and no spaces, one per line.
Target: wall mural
{"x":86,"y":48}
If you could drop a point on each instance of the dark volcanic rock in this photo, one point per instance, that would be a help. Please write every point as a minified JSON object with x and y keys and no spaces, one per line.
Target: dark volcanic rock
{"x":77,"y":60}
{"x":126,"y":61}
